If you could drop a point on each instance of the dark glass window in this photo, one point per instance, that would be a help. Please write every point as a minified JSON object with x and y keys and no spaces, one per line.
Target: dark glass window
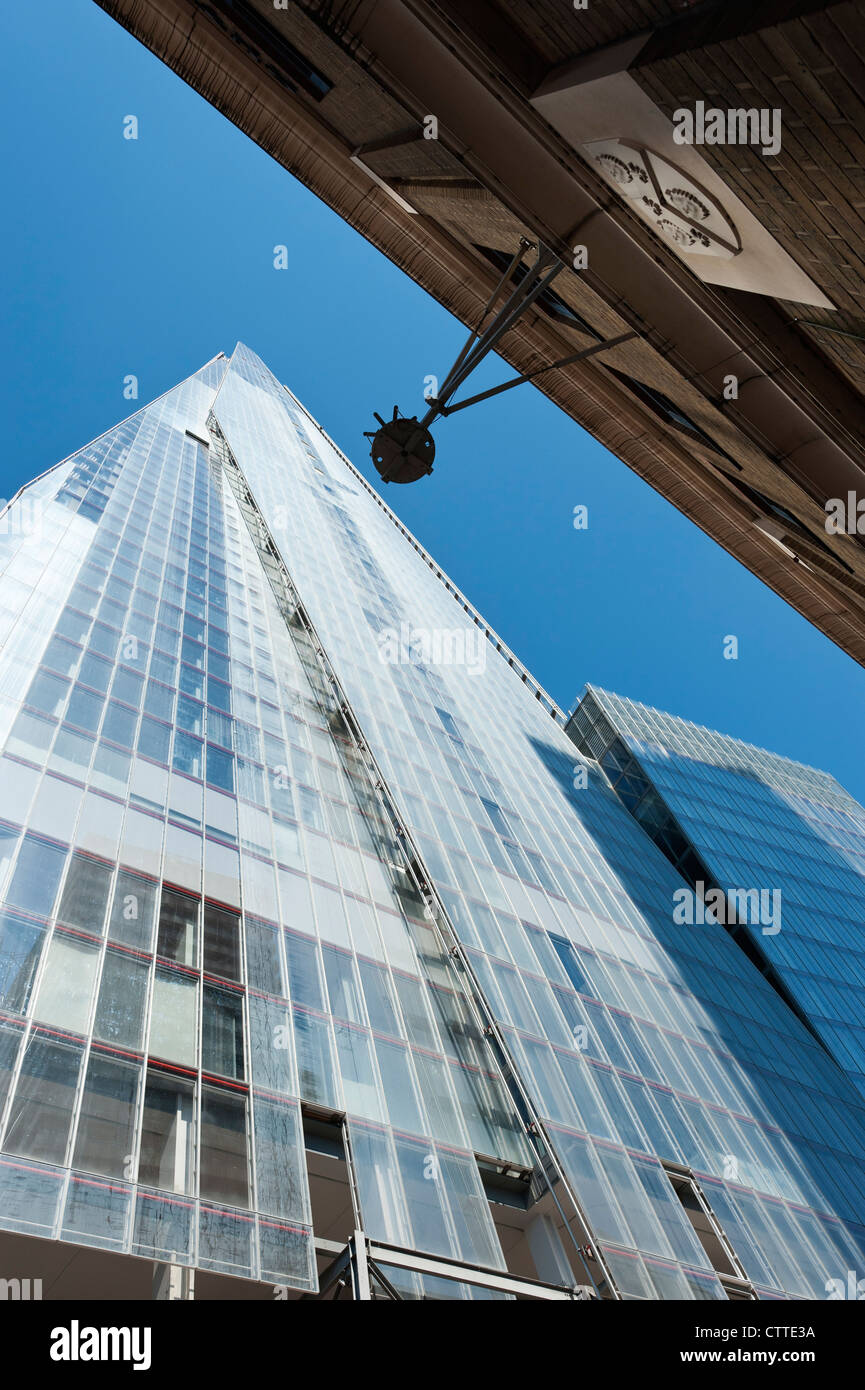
{"x":119,"y":725}
{"x":192,"y":682}
{"x":448,"y":721}
{"x":159,"y":701}
{"x":188,"y":754}
{"x":154,"y":740}
{"x":220,"y":768}
{"x":379,"y":1000}
{"x":303,"y":973}
{"x":570,"y":960}
{"x":132,"y":911}
{"x":222,"y":1033}
{"x":106,"y":1129}
{"x":41,"y":1114}
{"x":219,"y":695}
{"x":21,"y":945}
{"x":342,"y":985}
{"x":47,"y":693}
{"x":190,"y":715}
{"x":122,"y":997}
{"x":315,"y":1062}
{"x":224,"y":1175}
{"x":37,"y":876}
{"x":262,"y":956}
{"x":178,"y":928}
{"x":85,"y":709}
{"x":167,"y":1133}
{"x":85,"y":894}
{"x":221,"y":942}
{"x":127,"y":687}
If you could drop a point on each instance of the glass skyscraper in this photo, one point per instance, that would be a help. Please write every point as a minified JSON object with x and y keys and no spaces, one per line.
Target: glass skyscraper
{"x":327,"y":963}
{"x":745,"y":820}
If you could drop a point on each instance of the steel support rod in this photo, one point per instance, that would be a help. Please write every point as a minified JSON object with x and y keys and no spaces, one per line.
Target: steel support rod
{"x":524,"y":245}
{"x":520,"y":300}
{"x":530,"y":376}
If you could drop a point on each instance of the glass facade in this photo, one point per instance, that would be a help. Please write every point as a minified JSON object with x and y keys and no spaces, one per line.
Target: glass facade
{"x":745,"y":819}
{"x":287,"y":834}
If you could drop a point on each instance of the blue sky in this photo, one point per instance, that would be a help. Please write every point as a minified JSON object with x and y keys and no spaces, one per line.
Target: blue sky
{"x":150,"y":256}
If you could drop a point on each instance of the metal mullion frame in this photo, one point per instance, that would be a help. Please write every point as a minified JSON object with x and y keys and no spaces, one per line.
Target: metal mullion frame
{"x":252,"y":1175}
{"x":195,"y":1077}
{"x":6,"y":1112}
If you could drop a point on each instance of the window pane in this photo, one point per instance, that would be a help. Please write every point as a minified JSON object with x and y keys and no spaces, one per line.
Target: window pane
{"x":262,"y":956}
{"x":178,"y":928}
{"x":303,"y":973}
{"x":47,"y":693}
{"x":379,"y":1000}
{"x":41,"y":1113}
{"x":315,"y":1063}
{"x":21,"y":945}
{"x":221,"y":943}
{"x":280,"y":1161}
{"x":187,"y":754}
{"x":106,"y":1129}
{"x":119,"y":725}
{"x":85,"y":894}
{"x":396,"y":1076}
{"x":173,"y":1017}
{"x":220,"y":768}
{"x":342,"y":984}
{"x":85,"y":710}
{"x":132,"y":911}
{"x":424,"y":1197}
{"x":10,"y":1037}
{"x":154,"y":740}
{"x":224,"y":1173}
{"x":270,"y":1050}
{"x":8,"y":841}
{"x":167,"y":1132}
{"x":36,"y":876}
{"x":222,"y":1033}
{"x":122,"y":998}
{"x":66,"y":987}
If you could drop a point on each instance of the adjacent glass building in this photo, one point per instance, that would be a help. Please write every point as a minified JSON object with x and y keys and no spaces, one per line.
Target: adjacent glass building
{"x":327,"y":964}
{"x":734,"y":816}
